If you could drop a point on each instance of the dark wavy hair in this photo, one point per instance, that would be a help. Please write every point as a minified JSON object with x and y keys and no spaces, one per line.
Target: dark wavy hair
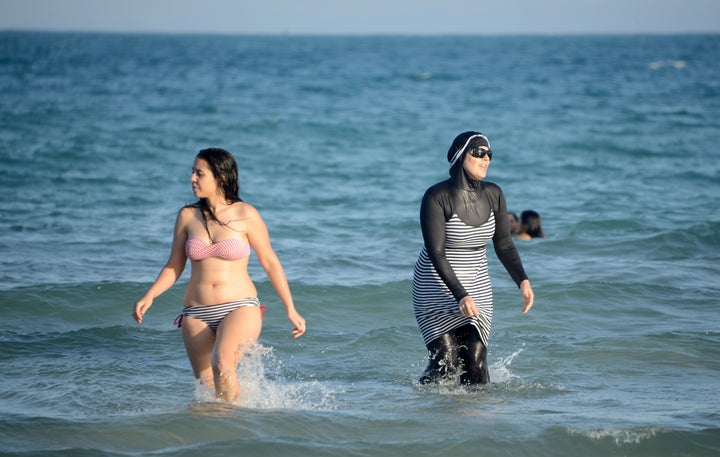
{"x":531,"y":224}
{"x":224,"y":168}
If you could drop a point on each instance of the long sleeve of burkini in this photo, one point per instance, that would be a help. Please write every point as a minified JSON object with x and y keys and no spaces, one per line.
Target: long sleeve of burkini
{"x":432,"y":223}
{"x":502,"y":240}
{"x":436,"y":209}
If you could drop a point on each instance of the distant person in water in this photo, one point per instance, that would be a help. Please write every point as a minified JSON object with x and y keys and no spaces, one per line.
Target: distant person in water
{"x":513,"y":223}
{"x":222,"y":315}
{"x":530,"y":226}
{"x":451,"y":290}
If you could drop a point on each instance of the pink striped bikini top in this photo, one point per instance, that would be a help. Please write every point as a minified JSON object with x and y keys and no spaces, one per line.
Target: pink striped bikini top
{"x":228,"y":249}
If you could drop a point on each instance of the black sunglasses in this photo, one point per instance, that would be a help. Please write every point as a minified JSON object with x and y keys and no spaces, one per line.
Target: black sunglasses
{"x":480,"y":153}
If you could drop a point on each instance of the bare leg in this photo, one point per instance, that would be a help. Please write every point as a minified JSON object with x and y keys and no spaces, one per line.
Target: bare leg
{"x":239,"y":329}
{"x":199,"y":340}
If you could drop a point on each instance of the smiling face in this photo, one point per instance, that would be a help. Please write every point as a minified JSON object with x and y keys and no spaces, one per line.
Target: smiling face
{"x":203,"y":182}
{"x":476,"y":167}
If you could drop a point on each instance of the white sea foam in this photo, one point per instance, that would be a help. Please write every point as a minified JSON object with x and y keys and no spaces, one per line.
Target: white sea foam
{"x":620,"y":436}
{"x":658,"y":64}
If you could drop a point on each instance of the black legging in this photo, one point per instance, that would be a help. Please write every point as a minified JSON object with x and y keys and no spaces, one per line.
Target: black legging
{"x":459,"y":349}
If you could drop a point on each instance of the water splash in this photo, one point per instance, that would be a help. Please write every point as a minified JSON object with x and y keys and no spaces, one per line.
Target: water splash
{"x":263,"y":385}
{"x":500,"y":376}
{"x":500,"y":371}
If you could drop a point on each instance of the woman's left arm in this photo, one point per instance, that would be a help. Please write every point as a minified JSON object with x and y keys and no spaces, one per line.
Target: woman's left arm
{"x":528,"y":295}
{"x":506,"y":251}
{"x":259,"y":240}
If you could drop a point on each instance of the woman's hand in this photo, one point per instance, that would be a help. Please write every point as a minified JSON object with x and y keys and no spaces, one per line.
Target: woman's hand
{"x":298,"y":322}
{"x":527,"y":294}
{"x":141,"y":308}
{"x":467,"y":307}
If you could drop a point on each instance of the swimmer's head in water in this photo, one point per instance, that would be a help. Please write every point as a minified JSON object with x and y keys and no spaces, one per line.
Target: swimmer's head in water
{"x":466,"y":141}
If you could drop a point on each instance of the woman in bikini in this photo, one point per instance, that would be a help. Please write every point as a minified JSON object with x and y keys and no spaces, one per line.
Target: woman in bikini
{"x":222,"y":315}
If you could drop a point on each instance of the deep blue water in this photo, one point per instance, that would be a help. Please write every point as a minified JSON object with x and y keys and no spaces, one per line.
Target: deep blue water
{"x":613,"y":139}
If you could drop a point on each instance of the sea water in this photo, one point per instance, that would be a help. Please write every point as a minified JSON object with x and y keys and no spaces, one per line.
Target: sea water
{"x":612,"y":139}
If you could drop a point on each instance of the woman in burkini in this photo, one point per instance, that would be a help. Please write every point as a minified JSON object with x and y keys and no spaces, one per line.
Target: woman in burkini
{"x":451,"y":290}
{"x":222,"y":316}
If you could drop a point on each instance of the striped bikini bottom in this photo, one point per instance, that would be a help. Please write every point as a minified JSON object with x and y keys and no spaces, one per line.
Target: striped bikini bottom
{"x":213,"y":315}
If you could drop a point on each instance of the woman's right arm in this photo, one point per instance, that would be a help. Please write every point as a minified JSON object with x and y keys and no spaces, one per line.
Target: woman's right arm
{"x":172,"y":270}
{"x":432,"y":223}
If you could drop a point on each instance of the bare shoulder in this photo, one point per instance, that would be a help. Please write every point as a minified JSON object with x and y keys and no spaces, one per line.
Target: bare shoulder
{"x":246,"y":211}
{"x":254,"y":223}
{"x":187,"y":213}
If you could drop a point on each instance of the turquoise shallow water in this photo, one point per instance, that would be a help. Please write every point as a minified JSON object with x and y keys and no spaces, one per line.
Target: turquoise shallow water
{"x":613,"y":139}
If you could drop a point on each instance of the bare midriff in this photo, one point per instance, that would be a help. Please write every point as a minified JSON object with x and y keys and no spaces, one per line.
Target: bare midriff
{"x":214,"y":281}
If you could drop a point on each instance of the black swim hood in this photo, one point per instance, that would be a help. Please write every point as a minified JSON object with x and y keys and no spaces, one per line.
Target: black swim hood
{"x":467,"y":198}
{"x":464,"y":142}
